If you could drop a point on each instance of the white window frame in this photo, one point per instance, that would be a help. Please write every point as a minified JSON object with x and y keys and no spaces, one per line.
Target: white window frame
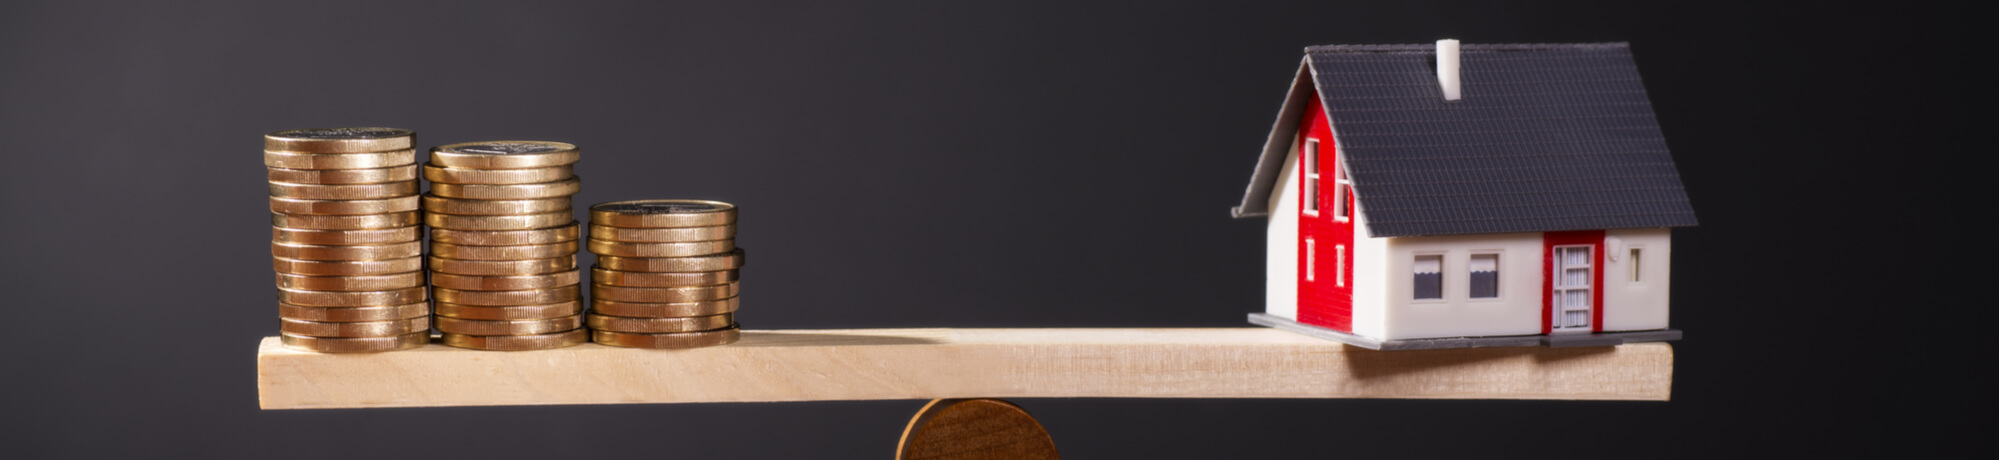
{"x":1310,"y":186}
{"x":1341,"y":186}
{"x":1340,"y":265}
{"x":1633,"y":255}
{"x":1498,"y":291}
{"x":1444,"y":289}
{"x":1311,"y":254}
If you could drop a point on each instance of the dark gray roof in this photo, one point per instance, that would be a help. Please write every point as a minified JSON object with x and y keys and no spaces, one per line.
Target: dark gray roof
{"x":1545,"y":138}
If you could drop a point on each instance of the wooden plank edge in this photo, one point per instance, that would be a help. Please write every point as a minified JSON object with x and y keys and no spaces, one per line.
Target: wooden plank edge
{"x":887,"y":364}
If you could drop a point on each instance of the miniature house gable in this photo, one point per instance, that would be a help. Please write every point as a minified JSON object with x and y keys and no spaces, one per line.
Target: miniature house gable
{"x":1397,"y":215}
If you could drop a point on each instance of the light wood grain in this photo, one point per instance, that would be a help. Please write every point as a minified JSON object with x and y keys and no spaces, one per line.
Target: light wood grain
{"x":863,"y":364}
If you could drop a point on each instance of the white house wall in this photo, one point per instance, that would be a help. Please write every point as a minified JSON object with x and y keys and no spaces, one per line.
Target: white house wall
{"x":1518,"y":310}
{"x":1281,"y":241}
{"x":1371,"y":280}
{"x":1641,"y":305}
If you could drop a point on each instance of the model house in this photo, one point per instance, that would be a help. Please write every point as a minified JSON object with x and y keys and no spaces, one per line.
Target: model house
{"x":1438,"y":196}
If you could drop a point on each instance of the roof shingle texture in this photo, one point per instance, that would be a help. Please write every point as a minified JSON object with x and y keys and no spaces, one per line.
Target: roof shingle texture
{"x":1545,"y":138}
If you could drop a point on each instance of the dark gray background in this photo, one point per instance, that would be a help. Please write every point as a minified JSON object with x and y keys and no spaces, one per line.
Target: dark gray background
{"x":991,"y":164}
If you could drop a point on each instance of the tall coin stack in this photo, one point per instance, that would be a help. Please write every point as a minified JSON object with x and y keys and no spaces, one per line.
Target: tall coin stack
{"x":504,"y":243}
{"x":666,"y":273}
{"x":345,"y":239}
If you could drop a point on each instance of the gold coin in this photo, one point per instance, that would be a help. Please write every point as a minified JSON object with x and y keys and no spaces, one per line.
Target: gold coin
{"x":451,"y":325}
{"x":344,"y":176}
{"x":442,"y":205}
{"x":689,"y":249}
{"x":561,"y":188}
{"x":659,"y":325}
{"x":343,"y":192}
{"x":600,"y":275}
{"x":519,"y":342}
{"x":354,"y":314}
{"x":356,"y":345}
{"x":343,"y":207}
{"x":339,"y":140}
{"x":662,"y":213}
{"x":505,"y":155}
{"x":509,"y":313}
{"x":526,"y":251}
{"x":494,"y":223}
{"x":662,"y":295}
{"x":376,"y":160}
{"x":718,"y":262}
{"x":503,"y":267}
{"x":505,"y":237}
{"x":361,"y":222}
{"x":336,"y":237}
{"x":369,"y":252}
{"x":351,"y":283}
{"x":663,"y":235}
{"x":672,"y":340}
{"x":444,"y":175}
{"x":390,"y":328}
{"x":504,"y":282}
{"x":663,"y":310}
{"x":510,"y":298}
{"x":353,"y":298}
{"x":346,"y":267}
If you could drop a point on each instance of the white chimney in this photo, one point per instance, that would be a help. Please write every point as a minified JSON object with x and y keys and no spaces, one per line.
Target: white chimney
{"x":1448,"y":68}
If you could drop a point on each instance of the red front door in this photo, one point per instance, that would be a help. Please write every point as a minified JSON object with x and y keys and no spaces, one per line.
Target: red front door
{"x":1572,"y":282}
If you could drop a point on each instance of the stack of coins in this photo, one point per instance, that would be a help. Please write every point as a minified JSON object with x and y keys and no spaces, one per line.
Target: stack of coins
{"x":504,"y":243}
{"x":666,"y":273}
{"x":345,"y":239}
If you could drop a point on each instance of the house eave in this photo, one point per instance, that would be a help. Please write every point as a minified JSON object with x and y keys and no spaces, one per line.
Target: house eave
{"x":1256,"y":197}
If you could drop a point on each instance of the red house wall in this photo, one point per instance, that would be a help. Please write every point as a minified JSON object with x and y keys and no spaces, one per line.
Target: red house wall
{"x":1324,"y":301}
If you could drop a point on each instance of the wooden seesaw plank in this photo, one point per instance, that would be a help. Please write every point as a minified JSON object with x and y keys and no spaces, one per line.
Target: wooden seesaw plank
{"x":863,"y":364}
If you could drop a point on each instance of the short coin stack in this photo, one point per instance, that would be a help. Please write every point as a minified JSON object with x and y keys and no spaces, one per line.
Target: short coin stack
{"x":504,"y":243}
{"x":666,"y":273}
{"x":346,"y":239}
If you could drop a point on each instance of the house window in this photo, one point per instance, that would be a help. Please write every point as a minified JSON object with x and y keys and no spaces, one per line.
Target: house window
{"x":1340,"y":188}
{"x":1635,"y":265}
{"x":1485,"y":270}
{"x":1429,"y":282}
{"x":1340,"y":265}
{"x":1310,"y":255}
{"x":1311,"y":184}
